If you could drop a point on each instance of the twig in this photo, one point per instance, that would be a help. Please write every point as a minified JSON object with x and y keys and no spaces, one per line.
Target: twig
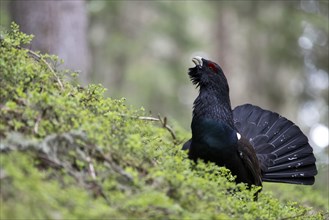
{"x":91,"y":168}
{"x":39,"y":58}
{"x":146,"y":118}
{"x":36,"y":125}
{"x":165,"y":125}
{"x":49,"y":67}
{"x":50,"y":162}
{"x":159,"y":119}
{"x":115,"y":167}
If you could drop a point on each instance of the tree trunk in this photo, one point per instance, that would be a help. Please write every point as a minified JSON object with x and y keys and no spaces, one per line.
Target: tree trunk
{"x":60,"y":28}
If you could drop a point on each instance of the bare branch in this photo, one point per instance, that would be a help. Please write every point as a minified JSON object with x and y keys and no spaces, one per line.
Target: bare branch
{"x":36,"y":125}
{"x":39,"y":58}
{"x":147,"y":118}
{"x":91,"y":168}
{"x":159,"y":119}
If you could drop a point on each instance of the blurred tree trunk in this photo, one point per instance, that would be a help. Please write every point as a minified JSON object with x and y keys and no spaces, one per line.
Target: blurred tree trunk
{"x":60,"y":28}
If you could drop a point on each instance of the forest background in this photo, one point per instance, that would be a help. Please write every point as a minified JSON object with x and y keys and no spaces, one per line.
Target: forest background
{"x":274,"y":54}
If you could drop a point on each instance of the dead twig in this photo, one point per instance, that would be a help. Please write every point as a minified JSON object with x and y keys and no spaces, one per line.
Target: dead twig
{"x":159,"y":119}
{"x":111,"y":164}
{"x":36,"y":125}
{"x":146,"y":118}
{"x":165,"y":125}
{"x":39,"y":58}
{"x":91,"y":168}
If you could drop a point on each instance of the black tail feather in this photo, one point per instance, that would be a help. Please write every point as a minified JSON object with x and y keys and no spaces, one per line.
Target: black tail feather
{"x":304,"y":154}
{"x":301,"y":181}
{"x":306,"y":171}
{"x":282,"y":149}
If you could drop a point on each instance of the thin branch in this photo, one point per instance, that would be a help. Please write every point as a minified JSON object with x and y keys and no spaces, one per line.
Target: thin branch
{"x":50,"y":162}
{"x":36,"y":125}
{"x":115,"y":167}
{"x":91,"y":168}
{"x":165,"y":125}
{"x":39,"y":58}
{"x":146,"y":118}
{"x":159,"y":119}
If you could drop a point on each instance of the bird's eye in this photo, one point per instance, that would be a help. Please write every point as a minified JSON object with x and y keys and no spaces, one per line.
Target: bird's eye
{"x":213,"y":67}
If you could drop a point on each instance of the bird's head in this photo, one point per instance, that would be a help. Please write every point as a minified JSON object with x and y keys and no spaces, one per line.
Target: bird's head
{"x":207,"y":73}
{"x":213,"y":101}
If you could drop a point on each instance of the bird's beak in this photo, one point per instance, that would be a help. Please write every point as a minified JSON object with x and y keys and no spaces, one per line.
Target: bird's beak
{"x":197,"y":61}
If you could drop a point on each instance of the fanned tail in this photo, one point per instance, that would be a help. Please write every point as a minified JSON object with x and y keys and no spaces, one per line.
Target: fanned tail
{"x":281,"y":147}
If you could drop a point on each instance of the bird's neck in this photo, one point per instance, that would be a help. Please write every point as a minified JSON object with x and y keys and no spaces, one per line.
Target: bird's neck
{"x":214,"y":104}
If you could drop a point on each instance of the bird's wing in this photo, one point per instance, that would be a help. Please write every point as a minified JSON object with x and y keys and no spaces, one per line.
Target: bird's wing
{"x":187,"y":145}
{"x":250,"y":160}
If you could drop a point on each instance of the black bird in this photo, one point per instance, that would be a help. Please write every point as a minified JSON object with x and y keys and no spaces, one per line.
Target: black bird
{"x":255,"y":144}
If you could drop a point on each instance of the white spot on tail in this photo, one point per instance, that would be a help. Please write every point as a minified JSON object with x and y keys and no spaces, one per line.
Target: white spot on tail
{"x":238,"y":135}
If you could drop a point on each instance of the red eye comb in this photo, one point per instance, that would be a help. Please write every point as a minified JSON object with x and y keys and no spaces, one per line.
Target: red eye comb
{"x":212,"y":66}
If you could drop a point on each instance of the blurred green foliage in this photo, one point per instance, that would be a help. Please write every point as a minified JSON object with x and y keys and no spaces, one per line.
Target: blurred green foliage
{"x":67,"y":152}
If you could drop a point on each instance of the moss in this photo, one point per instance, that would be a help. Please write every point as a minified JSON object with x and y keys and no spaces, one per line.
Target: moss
{"x":68,"y":152}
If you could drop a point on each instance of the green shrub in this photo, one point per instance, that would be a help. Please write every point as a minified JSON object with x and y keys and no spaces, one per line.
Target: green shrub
{"x":68,"y":152}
